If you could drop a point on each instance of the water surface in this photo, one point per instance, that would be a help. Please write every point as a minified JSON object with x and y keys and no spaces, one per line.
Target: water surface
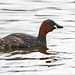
{"x":26,"y":16}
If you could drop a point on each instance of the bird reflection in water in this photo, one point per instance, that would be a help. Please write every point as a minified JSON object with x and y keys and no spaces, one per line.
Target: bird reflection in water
{"x":42,"y":49}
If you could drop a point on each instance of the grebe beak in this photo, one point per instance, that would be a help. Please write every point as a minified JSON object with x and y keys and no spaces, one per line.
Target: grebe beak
{"x":58,"y":26}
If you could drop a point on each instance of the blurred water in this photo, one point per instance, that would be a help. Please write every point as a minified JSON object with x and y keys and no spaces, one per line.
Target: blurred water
{"x":26,"y":16}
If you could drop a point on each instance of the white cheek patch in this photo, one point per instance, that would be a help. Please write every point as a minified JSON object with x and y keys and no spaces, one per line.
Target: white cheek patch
{"x":55,"y":26}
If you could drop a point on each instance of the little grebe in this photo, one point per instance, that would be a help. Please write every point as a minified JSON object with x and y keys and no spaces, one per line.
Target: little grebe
{"x":21,"y":40}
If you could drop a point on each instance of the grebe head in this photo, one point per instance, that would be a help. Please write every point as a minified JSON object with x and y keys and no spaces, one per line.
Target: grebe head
{"x":52,"y":23}
{"x":48,"y":26}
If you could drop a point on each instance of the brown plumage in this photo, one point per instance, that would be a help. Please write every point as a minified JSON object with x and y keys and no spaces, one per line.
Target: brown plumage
{"x":21,"y":40}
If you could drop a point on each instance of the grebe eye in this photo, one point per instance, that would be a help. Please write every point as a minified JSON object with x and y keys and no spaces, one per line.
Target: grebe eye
{"x":52,"y":24}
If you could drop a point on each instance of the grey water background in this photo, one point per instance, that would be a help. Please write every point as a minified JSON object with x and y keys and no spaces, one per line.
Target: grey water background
{"x":26,"y":16}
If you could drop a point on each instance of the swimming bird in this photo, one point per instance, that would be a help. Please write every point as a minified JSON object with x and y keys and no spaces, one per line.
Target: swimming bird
{"x":22,"y":40}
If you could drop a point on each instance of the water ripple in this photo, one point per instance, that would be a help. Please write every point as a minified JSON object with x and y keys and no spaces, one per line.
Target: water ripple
{"x":21,"y":16}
